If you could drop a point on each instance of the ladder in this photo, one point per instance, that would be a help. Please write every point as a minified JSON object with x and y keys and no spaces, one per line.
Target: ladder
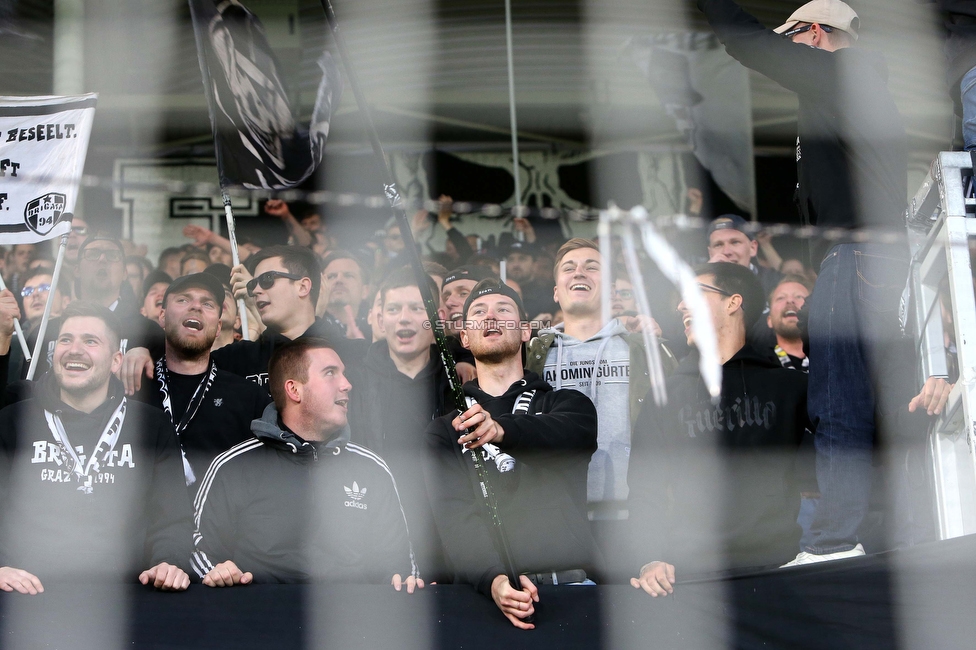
{"x":940,"y":221}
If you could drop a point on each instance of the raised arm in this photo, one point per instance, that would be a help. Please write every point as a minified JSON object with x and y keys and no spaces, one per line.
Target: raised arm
{"x":794,"y":66}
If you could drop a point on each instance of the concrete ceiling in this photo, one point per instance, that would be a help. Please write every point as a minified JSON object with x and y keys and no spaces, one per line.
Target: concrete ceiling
{"x":436,"y":71}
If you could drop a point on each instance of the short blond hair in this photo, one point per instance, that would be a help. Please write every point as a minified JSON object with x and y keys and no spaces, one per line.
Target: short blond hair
{"x":573,"y":244}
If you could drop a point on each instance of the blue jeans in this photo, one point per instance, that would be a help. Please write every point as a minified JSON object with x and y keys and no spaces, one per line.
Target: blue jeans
{"x":853,"y":314}
{"x":967,"y":91}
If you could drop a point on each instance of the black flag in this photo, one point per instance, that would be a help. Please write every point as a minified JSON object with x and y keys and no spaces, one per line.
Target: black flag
{"x":258,"y":140}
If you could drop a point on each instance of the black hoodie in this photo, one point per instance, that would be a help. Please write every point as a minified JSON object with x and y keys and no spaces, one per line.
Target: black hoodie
{"x":852,"y":151}
{"x":135,"y":512}
{"x":542,"y":502}
{"x":388,"y":413}
{"x":715,"y":486}
{"x":289,"y":510}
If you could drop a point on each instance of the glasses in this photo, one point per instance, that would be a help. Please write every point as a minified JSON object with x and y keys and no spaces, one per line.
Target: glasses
{"x":95,"y":254}
{"x":267,"y":279}
{"x":624,"y":294}
{"x":28,"y":291}
{"x":708,"y":287}
{"x":799,"y":30}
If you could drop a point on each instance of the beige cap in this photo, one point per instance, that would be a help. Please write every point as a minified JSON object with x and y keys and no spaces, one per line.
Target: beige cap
{"x":832,"y":13}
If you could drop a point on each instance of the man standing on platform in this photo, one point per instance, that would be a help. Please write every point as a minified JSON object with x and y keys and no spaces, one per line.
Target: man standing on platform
{"x":852,"y":171}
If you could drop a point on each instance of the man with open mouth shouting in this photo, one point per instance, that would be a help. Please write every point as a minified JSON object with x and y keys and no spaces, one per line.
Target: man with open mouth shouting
{"x":210,"y":408}
{"x":283,"y":291}
{"x":91,"y":484}
{"x":400,"y":388}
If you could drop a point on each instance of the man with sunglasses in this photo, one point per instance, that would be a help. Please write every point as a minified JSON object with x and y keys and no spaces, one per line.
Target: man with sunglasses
{"x":34,"y":295}
{"x":852,"y":172}
{"x":283,"y":292}
{"x":714,"y":486}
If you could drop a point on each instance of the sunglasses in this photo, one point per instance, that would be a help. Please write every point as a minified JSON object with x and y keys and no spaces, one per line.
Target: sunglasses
{"x":267,"y":279}
{"x":708,"y":287}
{"x":95,"y":254}
{"x":799,"y":30}
{"x":28,"y":291}
{"x":624,"y":294}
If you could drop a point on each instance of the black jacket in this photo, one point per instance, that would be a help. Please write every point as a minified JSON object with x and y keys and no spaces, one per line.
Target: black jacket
{"x":852,"y":149}
{"x":136,"y":514}
{"x":288,"y":510}
{"x":222,"y":420}
{"x":542,"y":502}
{"x":389,"y":413}
{"x":715,"y":487}
{"x":249,"y":359}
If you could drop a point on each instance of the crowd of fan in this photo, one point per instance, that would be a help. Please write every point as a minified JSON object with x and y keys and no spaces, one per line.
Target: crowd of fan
{"x":606,"y":484}
{"x":321,"y":442}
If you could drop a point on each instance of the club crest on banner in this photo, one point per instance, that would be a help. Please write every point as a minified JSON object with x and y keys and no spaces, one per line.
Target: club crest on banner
{"x":44,"y":212}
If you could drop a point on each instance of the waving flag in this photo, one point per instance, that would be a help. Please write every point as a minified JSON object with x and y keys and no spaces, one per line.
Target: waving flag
{"x":259,"y":143}
{"x":706,"y":92}
{"x":43,"y":144}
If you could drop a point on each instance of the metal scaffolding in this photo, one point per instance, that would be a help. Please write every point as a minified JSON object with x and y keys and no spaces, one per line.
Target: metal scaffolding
{"x":941,"y":219}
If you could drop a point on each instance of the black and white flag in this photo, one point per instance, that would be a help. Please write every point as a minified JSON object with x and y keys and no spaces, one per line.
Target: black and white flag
{"x":259,"y":143}
{"x":43,"y":144}
{"x":707,"y":94}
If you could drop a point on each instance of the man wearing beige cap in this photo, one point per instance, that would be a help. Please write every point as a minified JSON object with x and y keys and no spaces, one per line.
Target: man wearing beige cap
{"x":852,"y":172}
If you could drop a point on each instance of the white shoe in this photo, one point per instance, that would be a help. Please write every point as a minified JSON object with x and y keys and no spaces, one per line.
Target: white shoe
{"x":811,"y":558}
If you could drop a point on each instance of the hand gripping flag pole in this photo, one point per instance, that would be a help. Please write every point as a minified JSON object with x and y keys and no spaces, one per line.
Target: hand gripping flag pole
{"x":20,"y":332}
{"x":42,"y":328}
{"x":236,"y":258}
{"x":396,"y":203}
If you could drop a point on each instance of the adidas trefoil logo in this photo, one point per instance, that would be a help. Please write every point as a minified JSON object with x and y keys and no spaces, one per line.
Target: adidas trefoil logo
{"x":355,"y":496}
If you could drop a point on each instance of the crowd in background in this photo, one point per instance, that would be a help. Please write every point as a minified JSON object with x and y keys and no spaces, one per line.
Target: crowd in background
{"x":597,"y":478}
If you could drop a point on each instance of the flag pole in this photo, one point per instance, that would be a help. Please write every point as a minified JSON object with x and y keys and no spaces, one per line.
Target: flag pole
{"x":20,"y":333}
{"x":513,"y":124}
{"x":235,"y":256}
{"x":410,"y":246}
{"x":42,"y":328}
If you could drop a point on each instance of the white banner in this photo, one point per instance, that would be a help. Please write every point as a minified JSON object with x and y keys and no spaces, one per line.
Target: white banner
{"x":43,"y":143}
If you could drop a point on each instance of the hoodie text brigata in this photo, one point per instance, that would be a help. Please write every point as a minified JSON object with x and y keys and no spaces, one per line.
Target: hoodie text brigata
{"x":136,"y":515}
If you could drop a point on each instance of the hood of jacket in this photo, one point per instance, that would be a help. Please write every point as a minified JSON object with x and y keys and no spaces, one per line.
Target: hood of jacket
{"x":529,"y":381}
{"x":48,"y":395}
{"x":270,"y":430}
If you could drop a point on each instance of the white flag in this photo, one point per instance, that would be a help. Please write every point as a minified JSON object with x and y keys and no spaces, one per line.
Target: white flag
{"x":43,"y":143}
